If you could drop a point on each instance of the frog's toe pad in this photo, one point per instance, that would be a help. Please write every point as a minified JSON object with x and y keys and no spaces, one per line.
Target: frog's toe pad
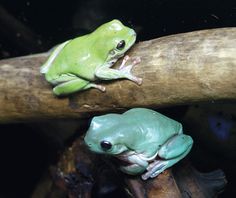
{"x":154,"y":169}
{"x":136,"y":60}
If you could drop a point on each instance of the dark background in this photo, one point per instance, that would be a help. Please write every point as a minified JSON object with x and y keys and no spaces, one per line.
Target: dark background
{"x":28,"y":27}
{"x":53,"y":21}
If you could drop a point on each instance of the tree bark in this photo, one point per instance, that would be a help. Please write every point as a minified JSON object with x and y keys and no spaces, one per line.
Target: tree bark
{"x":179,"y":69}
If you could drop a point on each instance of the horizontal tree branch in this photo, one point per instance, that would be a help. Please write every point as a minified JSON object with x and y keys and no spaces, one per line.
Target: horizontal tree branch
{"x":179,"y":69}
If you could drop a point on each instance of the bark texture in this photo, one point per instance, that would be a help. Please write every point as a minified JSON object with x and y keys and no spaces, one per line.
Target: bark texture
{"x":178,"y":69}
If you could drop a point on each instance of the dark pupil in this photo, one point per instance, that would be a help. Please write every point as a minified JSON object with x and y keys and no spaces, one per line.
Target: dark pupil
{"x":106,"y":145}
{"x":121,"y":45}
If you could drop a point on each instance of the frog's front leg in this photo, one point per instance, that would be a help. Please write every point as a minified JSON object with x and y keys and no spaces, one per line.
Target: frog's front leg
{"x":175,"y":149}
{"x":72,"y":85}
{"x":107,"y":73}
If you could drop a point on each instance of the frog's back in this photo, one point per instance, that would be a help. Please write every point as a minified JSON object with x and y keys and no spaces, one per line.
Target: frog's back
{"x":46,"y":67}
{"x":73,"y":58}
{"x":154,"y":126}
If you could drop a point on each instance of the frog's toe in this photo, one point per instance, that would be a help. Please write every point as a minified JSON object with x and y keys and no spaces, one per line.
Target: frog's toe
{"x":99,"y":87}
{"x":156,"y":174}
{"x":125,"y":59}
{"x":139,"y":80}
{"x":136,"y":60}
{"x":126,"y":71}
{"x":154,"y":169}
{"x":135,"y":79}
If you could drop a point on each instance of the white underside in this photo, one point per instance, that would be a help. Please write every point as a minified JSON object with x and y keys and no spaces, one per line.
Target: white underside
{"x":125,"y":156}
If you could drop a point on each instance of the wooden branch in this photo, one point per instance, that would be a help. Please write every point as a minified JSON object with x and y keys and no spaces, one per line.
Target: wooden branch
{"x":178,"y":69}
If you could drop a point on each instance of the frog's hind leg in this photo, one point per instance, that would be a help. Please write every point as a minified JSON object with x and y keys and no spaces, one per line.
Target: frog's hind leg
{"x":73,"y":86}
{"x":175,"y":149}
{"x":61,"y":78}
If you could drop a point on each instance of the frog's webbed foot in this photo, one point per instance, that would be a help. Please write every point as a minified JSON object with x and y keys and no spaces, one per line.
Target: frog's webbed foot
{"x":154,"y":169}
{"x":158,"y":166}
{"x":127,"y":68}
{"x":106,"y":73}
{"x":136,"y":60}
{"x":175,"y":149}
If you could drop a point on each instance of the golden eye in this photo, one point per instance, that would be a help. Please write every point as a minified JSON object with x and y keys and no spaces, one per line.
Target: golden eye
{"x":120,"y":45}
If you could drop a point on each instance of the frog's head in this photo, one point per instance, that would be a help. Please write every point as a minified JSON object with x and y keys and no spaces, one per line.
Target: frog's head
{"x":115,"y":39}
{"x":104,"y":135}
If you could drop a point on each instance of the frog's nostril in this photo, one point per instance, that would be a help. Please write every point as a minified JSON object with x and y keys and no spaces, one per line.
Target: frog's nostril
{"x":90,"y":145}
{"x":132,"y":32}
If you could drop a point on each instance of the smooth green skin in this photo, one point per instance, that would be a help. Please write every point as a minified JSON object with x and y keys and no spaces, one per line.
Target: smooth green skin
{"x":146,"y":139}
{"x":75,"y":63}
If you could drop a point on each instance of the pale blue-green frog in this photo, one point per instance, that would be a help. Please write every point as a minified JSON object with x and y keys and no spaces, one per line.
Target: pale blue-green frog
{"x":147,"y":141}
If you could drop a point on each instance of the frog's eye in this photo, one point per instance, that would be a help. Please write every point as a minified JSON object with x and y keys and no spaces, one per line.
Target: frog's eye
{"x":106,"y":145}
{"x":120,"y":45}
